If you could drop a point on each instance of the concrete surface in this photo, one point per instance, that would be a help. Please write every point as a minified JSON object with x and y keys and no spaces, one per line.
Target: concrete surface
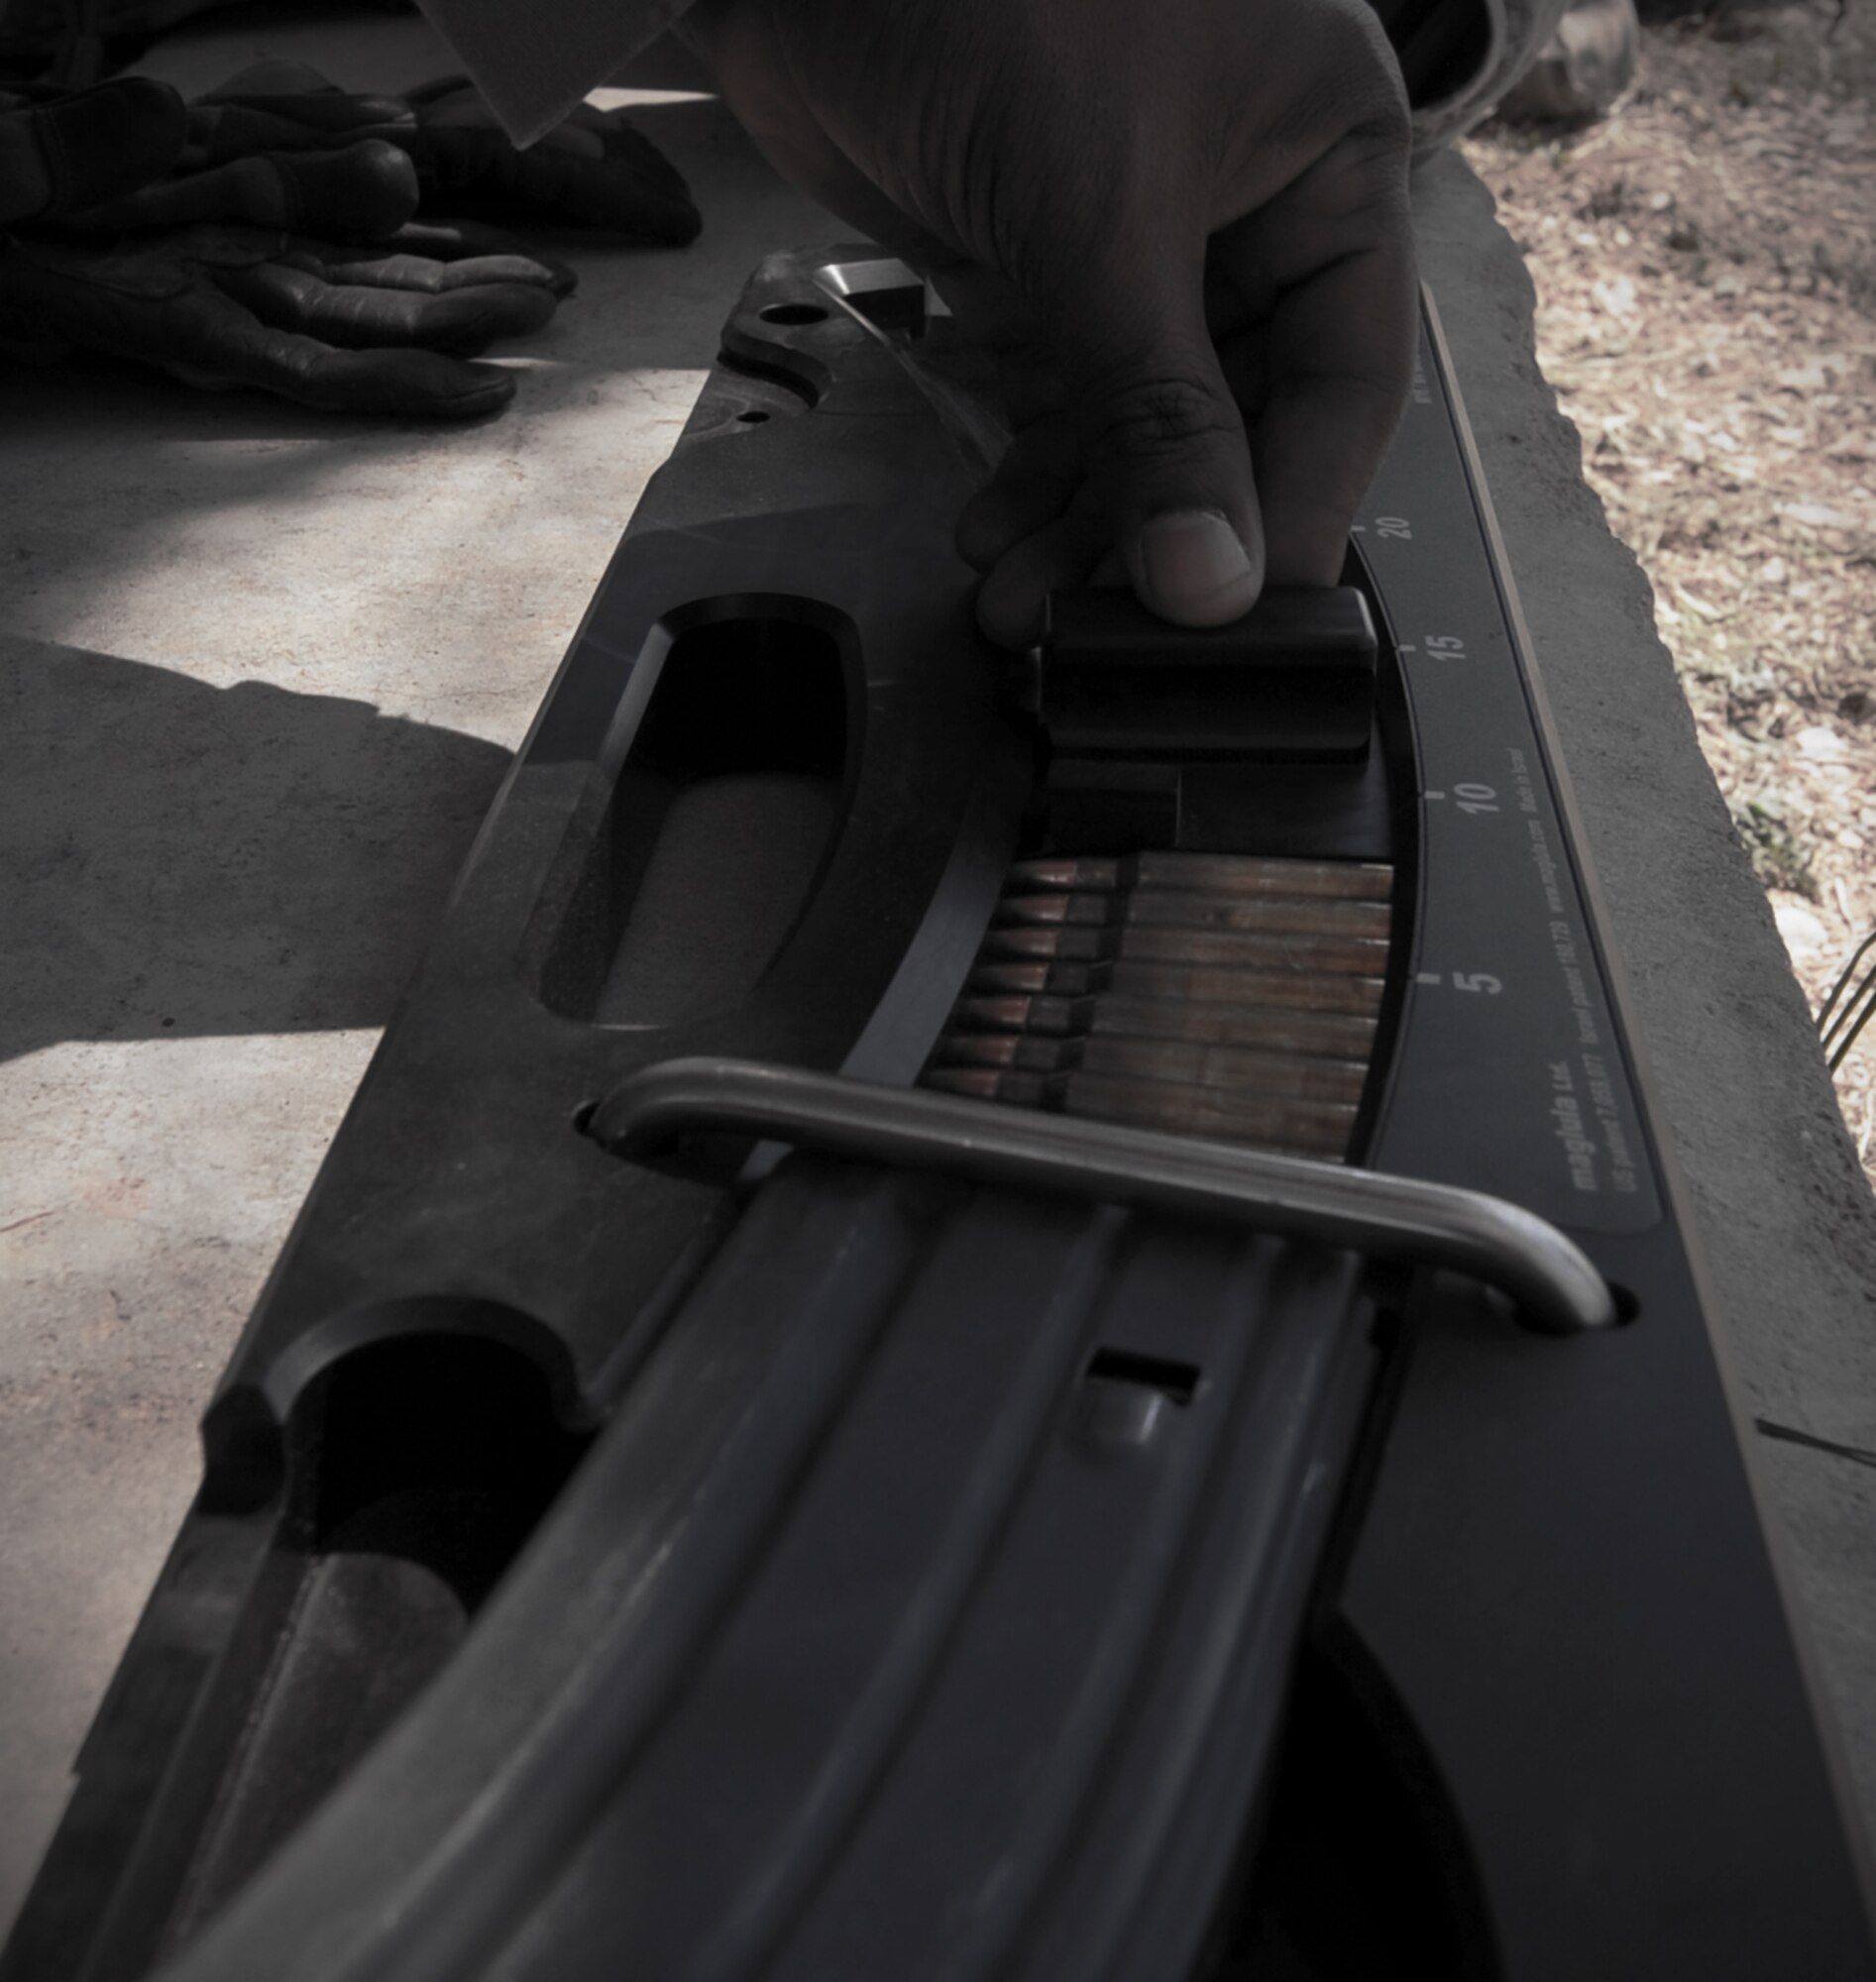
{"x":260,"y":673}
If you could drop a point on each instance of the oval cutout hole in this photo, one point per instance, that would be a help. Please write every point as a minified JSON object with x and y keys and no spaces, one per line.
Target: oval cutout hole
{"x":794,"y":313}
{"x":729,"y":868}
{"x":725,"y":808}
{"x":422,"y":1464}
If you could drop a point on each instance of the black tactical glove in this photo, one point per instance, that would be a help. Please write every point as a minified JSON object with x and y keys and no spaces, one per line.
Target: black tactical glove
{"x":594,"y":168}
{"x":381,"y":329}
{"x":220,"y":266}
{"x":59,"y":151}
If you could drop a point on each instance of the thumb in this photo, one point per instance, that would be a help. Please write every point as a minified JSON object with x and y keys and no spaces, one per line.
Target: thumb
{"x":73,"y":150}
{"x":1164,"y":443}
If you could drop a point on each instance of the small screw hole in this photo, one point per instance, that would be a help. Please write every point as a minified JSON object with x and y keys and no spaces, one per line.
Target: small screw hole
{"x":794,"y":313}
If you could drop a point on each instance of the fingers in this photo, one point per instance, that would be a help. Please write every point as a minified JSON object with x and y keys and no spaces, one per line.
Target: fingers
{"x":273,"y":76}
{"x":76,"y":151}
{"x":1303,"y":318}
{"x":418,"y":266}
{"x":460,"y":320}
{"x":1164,"y":449}
{"x":1126,"y":417}
{"x":366,"y":191}
{"x":617,"y":180}
{"x":1062,"y":556}
{"x":1327,"y":269}
{"x":456,"y":241}
{"x":239,"y":127}
{"x":1034,"y":485}
{"x":1334,"y":402}
{"x":631,"y":189}
{"x":213,"y":341}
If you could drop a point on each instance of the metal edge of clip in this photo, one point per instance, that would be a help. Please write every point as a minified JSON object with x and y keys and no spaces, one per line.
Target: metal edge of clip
{"x":1394,"y":1219}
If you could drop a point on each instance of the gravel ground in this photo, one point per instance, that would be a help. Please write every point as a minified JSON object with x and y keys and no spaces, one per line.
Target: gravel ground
{"x":1705,"y":268}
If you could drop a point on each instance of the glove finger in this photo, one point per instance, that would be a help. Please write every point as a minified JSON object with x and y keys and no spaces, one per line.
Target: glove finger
{"x":457,"y":109}
{"x":464,"y":110}
{"x":429,"y":276}
{"x":466,"y":240}
{"x":368,"y":192}
{"x":357,"y":317}
{"x":240,"y":127}
{"x":624,"y":142}
{"x":437,"y":88}
{"x":272,"y":76}
{"x":620,"y":181}
{"x":574,"y":139}
{"x":189,"y":328}
{"x":76,"y":151}
{"x":422,"y":384}
{"x":623,"y":194}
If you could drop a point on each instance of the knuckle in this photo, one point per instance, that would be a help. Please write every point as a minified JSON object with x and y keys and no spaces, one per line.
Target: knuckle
{"x":1159,"y":417}
{"x":1354,"y":94}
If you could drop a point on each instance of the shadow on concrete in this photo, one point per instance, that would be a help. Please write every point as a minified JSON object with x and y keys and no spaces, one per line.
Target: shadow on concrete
{"x":184,"y":860}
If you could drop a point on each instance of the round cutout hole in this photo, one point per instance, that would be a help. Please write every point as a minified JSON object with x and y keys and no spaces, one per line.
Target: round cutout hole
{"x":794,"y":313}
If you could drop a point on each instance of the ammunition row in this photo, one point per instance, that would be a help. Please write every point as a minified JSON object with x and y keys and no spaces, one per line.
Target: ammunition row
{"x":1244,"y":914}
{"x":1233,"y":874}
{"x":1205,"y":994}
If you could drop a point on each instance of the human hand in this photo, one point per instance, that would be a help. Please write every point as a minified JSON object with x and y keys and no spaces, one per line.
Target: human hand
{"x":1182,"y":226}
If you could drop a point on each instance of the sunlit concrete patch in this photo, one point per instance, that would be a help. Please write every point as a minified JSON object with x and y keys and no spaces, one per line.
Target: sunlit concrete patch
{"x":631,"y":98}
{"x":440,"y":575}
{"x":82,"y":1458}
{"x":145,"y":1187}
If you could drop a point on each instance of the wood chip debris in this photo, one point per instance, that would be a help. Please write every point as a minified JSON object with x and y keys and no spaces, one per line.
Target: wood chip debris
{"x":1704,"y":260}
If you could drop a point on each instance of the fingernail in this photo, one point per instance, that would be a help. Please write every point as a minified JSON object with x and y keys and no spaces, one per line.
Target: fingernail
{"x":1193,"y":567}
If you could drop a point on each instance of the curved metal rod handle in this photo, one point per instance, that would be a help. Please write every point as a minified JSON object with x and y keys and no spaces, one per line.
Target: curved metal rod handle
{"x":1556,"y":1291}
